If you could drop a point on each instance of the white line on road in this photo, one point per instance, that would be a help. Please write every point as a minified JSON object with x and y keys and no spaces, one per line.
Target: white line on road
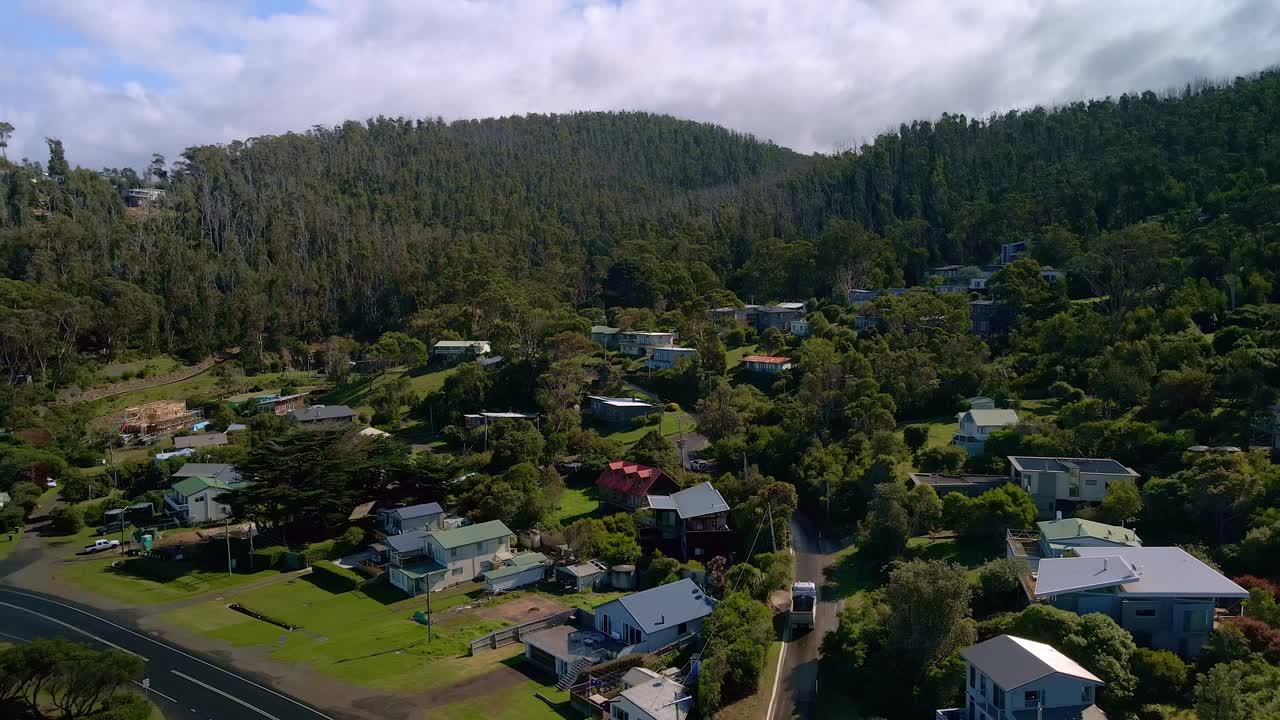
{"x":14,"y":637}
{"x":228,"y":696}
{"x":155,"y":692}
{"x":69,"y":626}
{"x":782,"y":658}
{"x":170,"y":648}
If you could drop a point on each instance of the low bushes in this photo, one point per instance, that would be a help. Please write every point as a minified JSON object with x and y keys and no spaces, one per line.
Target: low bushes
{"x":332,"y":577}
{"x":268,"y":558}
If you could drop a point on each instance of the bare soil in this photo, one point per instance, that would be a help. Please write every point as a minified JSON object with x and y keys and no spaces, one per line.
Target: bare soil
{"x":523,"y":609}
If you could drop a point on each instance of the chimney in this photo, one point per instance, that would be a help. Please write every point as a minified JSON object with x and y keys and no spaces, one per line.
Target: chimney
{"x":1057,"y":515}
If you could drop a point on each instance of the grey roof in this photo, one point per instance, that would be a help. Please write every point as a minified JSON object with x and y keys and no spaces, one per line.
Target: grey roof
{"x":1062,"y":576}
{"x":204,"y":440}
{"x":317,"y":413}
{"x":417,"y":511}
{"x":603,"y":329}
{"x":667,"y":605}
{"x":582,"y":570}
{"x":1013,"y":661}
{"x":492,"y":360}
{"x":237,"y":427}
{"x":1167,"y":571}
{"x":701,"y":499}
{"x":221,"y":471}
{"x":657,"y":698}
{"x":1105,"y":466}
{"x":407,"y":541}
{"x":992,"y":418}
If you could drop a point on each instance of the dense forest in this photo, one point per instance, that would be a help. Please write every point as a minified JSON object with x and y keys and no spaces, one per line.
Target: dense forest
{"x":1158,"y":332}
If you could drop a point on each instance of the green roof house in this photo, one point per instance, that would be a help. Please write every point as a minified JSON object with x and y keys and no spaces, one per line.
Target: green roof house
{"x":457,"y":556}
{"x":194,"y":499}
{"x":1059,"y":537}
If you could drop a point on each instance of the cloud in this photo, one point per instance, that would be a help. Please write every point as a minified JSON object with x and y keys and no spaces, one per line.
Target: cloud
{"x":152,"y":76}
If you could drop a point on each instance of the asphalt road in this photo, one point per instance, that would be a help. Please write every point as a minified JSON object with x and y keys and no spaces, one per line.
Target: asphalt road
{"x":798,"y":675}
{"x":182,"y":684}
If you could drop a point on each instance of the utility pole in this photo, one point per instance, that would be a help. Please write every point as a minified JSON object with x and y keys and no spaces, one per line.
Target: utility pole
{"x":772,"y":536}
{"x":429,"y":620}
{"x":226,"y":529}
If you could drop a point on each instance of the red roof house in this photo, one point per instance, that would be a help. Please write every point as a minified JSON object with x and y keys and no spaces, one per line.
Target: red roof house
{"x":771,"y":364}
{"x":630,"y":484}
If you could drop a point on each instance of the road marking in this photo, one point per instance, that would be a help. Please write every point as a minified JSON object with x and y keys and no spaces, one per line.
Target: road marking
{"x":226,"y":695}
{"x":14,"y":637}
{"x":782,"y":658}
{"x":155,"y":692}
{"x":171,"y":649}
{"x":69,"y":626}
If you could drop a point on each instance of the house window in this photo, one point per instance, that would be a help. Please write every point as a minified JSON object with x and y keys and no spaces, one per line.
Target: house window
{"x":1145,"y":612}
{"x":1073,"y":486}
{"x":453,"y":552}
{"x":1091,"y":482}
{"x":982,"y":685}
{"x":1195,"y":621}
{"x":972,"y":676}
{"x":682,"y":628}
{"x":457,"y":571}
{"x":606,"y":624}
{"x":997,"y":696}
{"x":1086,"y":693}
{"x":1031,"y":698}
{"x":620,"y":714}
{"x":631,"y":634}
{"x":697,"y":552}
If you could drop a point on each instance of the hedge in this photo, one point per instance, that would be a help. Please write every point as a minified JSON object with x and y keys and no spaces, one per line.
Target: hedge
{"x":326,"y":574}
{"x":268,"y":558}
{"x":345,"y":544}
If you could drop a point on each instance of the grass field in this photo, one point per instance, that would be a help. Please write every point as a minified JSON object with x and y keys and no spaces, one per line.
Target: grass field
{"x":204,"y":384}
{"x":356,"y":395}
{"x":7,"y":545}
{"x":141,"y":581}
{"x":354,"y":636}
{"x":577,"y":501}
{"x":516,"y":703}
{"x":733,"y":358}
{"x":851,"y":574}
{"x":672,"y":424}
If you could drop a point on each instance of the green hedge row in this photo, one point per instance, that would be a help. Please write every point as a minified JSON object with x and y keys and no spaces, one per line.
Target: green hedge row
{"x":269,"y":558}
{"x":333,"y":577}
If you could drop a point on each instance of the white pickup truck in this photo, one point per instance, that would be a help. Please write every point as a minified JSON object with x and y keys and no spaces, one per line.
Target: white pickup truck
{"x":100,"y":545}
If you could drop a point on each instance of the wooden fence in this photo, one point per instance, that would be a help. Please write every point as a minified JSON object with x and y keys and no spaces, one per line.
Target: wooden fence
{"x":514,"y":634}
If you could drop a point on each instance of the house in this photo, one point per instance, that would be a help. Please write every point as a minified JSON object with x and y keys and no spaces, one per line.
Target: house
{"x":1052,"y":275}
{"x":162,"y":456}
{"x":143,"y":197}
{"x":693,"y":522}
{"x":769,"y":364}
{"x":799,"y":328}
{"x":424,"y":516}
{"x":5,"y":499}
{"x":664,"y":358}
{"x":159,"y":417}
{"x":629,"y":484}
{"x":605,"y":336}
{"x":324,"y":414}
{"x":619,"y":409}
{"x":1059,"y":538}
{"x":737,"y":315}
{"x":583,"y":577}
{"x":948,"y":273}
{"x":194,"y":499}
{"x":1164,"y":596}
{"x":988,"y":317}
{"x":1066,"y":480}
{"x":451,"y":351}
{"x":981,"y":402}
{"x":280,"y":405}
{"x":650,"y":696}
{"x":777,"y":316}
{"x":373,"y":432}
{"x":1012,"y":678}
{"x":964,"y":483}
{"x":866,"y":322}
{"x":522,"y":570}
{"x":219,"y":471}
{"x":1012,"y":251}
{"x":423,"y":561}
{"x":979,"y":279}
{"x":475,"y":420}
{"x":858,"y":298}
{"x":976,"y":426}
{"x":638,"y":342}
{"x":198,"y":441}
{"x":653,"y":619}
{"x":951,"y":289}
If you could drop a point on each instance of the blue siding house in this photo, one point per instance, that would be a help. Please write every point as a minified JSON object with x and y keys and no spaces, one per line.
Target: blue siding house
{"x":652,"y":619}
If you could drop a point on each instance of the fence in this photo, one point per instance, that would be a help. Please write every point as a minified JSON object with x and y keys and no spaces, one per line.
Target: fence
{"x":508,"y":636}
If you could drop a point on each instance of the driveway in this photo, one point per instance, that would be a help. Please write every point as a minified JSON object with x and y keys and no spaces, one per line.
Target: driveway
{"x":798,"y":676}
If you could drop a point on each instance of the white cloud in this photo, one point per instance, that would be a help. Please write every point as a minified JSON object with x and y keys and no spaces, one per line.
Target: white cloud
{"x":810,"y":75}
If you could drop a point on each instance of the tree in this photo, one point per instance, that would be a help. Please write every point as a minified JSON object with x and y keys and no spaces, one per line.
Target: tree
{"x":67,"y":519}
{"x":946,"y":459}
{"x":57,"y":166}
{"x":989,"y":514}
{"x":515,"y":442}
{"x":915,"y":436}
{"x":1000,"y":584}
{"x":739,"y":631}
{"x":6,"y":132}
{"x":1122,"y":266}
{"x":718,"y":415}
{"x":887,"y":527}
{"x":1161,"y":676}
{"x":88,"y":681}
{"x":1122,"y":503}
{"x":655,"y":450}
{"x":930,"y":611}
{"x":1240,"y":690}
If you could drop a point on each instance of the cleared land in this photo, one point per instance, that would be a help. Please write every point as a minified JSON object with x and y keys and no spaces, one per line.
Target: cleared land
{"x":733,"y":358}
{"x":673,"y":423}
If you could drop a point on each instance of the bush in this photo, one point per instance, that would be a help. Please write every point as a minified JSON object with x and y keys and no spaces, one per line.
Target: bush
{"x":332,"y":577}
{"x":67,"y":519}
{"x":268,"y":558}
{"x":1162,"y":676}
{"x":1066,"y":391}
{"x":673,"y":407}
{"x":915,"y":436}
{"x":318,"y":551}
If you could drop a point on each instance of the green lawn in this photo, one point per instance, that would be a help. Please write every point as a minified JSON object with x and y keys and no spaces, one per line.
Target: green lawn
{"x":969,"y":553}
{"x":7,"y":545}
{"x":351,"y":635}
{"x":144,"y":581}
{"x":356,"y":394}
{"x":204,"y":384}
{"x":672,"y":424}
{"x":516,"y":703}
{"x":586,"y":601}
{"x":733,"y":358}
{"x":577,"y":501}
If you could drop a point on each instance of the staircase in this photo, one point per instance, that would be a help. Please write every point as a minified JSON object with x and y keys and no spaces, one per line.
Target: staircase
{"x":572,"y":672}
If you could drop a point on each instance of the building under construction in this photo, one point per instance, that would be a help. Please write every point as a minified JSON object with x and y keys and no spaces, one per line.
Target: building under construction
{"x":162,"y":417}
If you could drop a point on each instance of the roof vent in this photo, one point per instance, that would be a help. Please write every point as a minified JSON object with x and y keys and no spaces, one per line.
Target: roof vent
{"x":662,"y":619}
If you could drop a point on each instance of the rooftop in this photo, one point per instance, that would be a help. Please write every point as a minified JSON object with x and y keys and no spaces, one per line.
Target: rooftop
{"x":767,"y":359}
{"x":1013,"y":661}
{"x":1060,"y":576}
{"x":471,"y":534}
{"x":621,"y":401}
{"x":204,"y":440}
{"x":1105,"y":466}
{"x":581,"y":570}
{"x":417,"y":511}
{"x":660,"y":698}
{"x":992,"y":418}
{"x":423,"y":568}
{"x":459,"y":343}
{"x":605,"y":329}
{"x":407,"y":542}
{"x":1075,"y":527}
{"x":957,"y":481}
{"x":696,"y":501}
{"x":629,"y":478}
{"x":192,"y":485}
{"x":317,"y":413}
{"x":516,"y":565}
{"x":221,"y":471}
{"x":667,"y":605}
{"x":1169,"y":571}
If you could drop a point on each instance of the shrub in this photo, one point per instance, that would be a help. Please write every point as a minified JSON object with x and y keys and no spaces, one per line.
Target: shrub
{"x":268,"y":558}
{"x":328,"y":575}
{"x":67,"y":519}
{"x":317,"y":551}
{"x":1066,"y":391}
{"x":1162,"y":676}
{"x":673,"y":407}
{"x":915,"y":436}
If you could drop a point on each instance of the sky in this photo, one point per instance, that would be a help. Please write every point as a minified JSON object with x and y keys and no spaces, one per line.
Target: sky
{"x":122,"y":79}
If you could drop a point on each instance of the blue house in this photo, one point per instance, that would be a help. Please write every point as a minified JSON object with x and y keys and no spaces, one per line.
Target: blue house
{"x":653,"y":619}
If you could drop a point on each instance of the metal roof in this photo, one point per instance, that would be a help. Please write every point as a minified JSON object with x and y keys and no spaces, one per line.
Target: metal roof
{"x":222,"y":471}
{"x":992,"y":418}
{"x":406,"y":541}
{"x":701,"y":499}
{"x":471,"y":534}
{"x":621,"y":401}
{"x":660,"y":698}
{"x":1013,"y":661}
{"x":603,"y":329}
{"x":1168,"y":571}
{"x":1104,"y":466}
{"x":204,"y":440}
{"x":767,"y":359}
{"x":1076,"y":527}
{"x":192,"y":485}
{"x":460,"y":343}
{"x":417,"y":511}
{"x":667,"y":605}
{"x":322,"y":412}
{"x":1061,"y":576}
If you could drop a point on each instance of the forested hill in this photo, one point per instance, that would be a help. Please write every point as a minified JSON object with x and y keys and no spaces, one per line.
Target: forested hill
{"x":355,"y":229}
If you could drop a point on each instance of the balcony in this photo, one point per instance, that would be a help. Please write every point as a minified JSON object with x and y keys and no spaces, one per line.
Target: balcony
{"x":950,"y":714}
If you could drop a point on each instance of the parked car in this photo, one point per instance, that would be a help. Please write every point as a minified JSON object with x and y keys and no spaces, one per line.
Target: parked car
{"x":100,"y":545}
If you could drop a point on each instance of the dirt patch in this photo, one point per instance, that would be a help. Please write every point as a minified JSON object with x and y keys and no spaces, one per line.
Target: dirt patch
{"x":500,"y":678}
{"x":522,"y":609}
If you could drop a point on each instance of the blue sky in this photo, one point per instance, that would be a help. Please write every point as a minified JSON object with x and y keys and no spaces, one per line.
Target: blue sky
{"x":120,"y":79}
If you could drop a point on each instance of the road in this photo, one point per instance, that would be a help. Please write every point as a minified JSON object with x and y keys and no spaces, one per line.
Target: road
{"x":798,"y":675}
{"x":182,"y":684}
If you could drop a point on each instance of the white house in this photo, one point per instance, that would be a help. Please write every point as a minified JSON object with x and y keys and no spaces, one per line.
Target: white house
{"x":664,"y":358}
{"x":640,"y":342}
{"x":453,"y":350}
{"x":1071,"y":480}
{"x":648,"y":695}
{"x":977,"y":425}
{"x":193,"y":499}
{"x":448,"y":557}
{"x":1012,"y":678}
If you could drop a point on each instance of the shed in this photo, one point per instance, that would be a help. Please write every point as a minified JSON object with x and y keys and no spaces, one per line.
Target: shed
{"x":519,"y":571}
{"x":583,"y":577}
